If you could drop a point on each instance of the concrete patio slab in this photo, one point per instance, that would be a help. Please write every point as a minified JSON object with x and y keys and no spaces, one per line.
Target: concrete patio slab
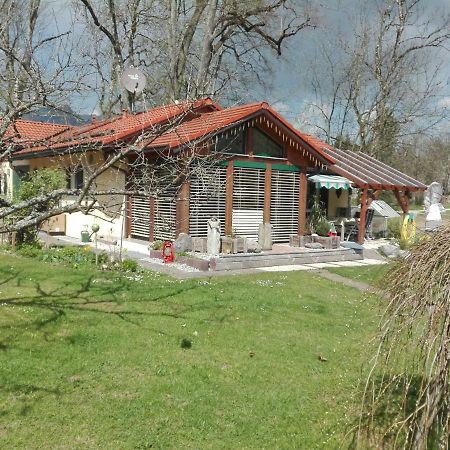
{"x":285,"y":268}
{"x":322,"y":265}
{"x":369,"y":261}
{"x":349,"y":263}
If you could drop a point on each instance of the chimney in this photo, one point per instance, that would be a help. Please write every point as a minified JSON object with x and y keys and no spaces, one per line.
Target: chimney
{"x":94,"y":119}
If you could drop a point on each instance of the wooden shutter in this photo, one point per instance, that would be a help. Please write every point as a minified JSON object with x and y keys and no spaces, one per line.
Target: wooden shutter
{"x":284,"y":204}
{"x":140,"y":206}
{"x":248,"y":201}
{"x":165,"y":216}
{"x":140,"y":217}
{"x":207,"y":199}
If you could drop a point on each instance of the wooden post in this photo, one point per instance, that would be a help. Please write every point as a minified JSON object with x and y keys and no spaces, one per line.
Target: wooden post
{"x":229,"y":200}
{"x":302,"y":199}
{"x":128,"y":216}
{"x":182,"y":209}
{"x":403,"y":201}
{"x":362,"y":217}
{"x":267,"y":193}
{"x":151,"y":231}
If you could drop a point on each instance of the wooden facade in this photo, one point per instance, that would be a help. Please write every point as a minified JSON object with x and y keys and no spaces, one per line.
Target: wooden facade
{"x":245,"y":189}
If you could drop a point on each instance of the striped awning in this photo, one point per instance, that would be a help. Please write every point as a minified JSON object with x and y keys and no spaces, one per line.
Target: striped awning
{"x":331,"y":181}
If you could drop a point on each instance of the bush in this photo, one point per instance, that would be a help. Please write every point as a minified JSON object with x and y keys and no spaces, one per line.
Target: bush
{"x":322,"y":228}
{"x":394,"y":228}
{"x":41,"y":182}
{"x":30,"y":250}
{"x":129,"y":265}
{"x":157,"y":245}
{"x":73,"y":255}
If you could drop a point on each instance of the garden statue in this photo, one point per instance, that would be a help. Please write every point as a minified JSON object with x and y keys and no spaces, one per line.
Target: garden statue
{"x":213,"y":241}
{"x":433,"y":206}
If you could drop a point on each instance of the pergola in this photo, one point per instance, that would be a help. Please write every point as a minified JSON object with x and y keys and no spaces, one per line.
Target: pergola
{"x":369,"y":174}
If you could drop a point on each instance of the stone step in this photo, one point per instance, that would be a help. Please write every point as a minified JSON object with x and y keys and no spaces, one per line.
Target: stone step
{"x":306,"y":254}
{"x":261,"y":260}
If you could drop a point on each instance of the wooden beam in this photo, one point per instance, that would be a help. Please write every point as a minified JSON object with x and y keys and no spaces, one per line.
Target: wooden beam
{"x":152,"y":219}
{"x":249,"y":141}
{"x":373,"y":196}
{"x":303,"y":195}
{"x":362,"y":217}
{"x":128,"y":216}
{"x":229,"y":200}
{"x":267,"y":193}
{"x":182,"y":209}
{"x":403,"y":200}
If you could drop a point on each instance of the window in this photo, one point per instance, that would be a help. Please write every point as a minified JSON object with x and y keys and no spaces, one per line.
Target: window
{"x":263,"y":145}
{"x":75,"y":178}
{"x":231,"y":143}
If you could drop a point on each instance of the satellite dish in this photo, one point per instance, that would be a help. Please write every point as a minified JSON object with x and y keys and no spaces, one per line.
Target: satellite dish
{"x":133,"y":80}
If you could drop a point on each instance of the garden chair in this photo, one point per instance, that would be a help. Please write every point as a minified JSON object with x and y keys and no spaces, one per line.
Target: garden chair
{"x":353,"y":232}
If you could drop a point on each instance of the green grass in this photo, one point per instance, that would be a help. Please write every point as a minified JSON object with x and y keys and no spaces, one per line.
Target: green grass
{"x":93,"y":359}
{"x":368,"y":274}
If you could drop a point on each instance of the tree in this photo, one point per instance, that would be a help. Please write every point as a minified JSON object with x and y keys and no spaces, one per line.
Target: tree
{"x":110,"y":172}
{"x":380,"y":83}
{"x":190,"y":48}
{"x":36,"y":63}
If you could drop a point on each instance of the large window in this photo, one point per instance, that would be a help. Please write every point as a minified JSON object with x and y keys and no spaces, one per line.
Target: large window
{"x":231,"y":143}
{"x":263,"y":145}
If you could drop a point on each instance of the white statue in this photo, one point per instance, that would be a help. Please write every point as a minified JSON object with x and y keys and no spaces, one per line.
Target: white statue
{"x":433,"y":206}
{"x":433,"y":196}
{"x":213,"y":241}
{"x":433,"y":219}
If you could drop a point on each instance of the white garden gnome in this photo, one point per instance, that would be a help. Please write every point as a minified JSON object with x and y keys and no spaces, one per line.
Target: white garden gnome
{"x":213,"y":241}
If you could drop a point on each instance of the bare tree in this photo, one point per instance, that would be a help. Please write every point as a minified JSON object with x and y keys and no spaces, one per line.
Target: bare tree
{"x":379,"y":84}
{"x":109,"y":176}
{"x":191,"y":48}
{"x":36,"y":62}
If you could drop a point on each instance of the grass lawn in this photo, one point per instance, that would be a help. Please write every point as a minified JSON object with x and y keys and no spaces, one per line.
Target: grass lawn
{"x":93,"y":359}
{"x":367,"y":274}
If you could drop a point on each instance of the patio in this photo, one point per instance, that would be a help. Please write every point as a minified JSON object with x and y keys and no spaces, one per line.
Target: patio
{"x":280,"y":258}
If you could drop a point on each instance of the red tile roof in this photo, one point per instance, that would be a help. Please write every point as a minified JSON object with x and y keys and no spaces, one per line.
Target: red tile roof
{"x":203,"y":126}
{"x":119,"y":128}
{"x":27,"y":131}
{"x":208,"y":124}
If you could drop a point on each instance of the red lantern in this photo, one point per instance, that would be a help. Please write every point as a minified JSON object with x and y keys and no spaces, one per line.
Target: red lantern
{"x":168,"y":253}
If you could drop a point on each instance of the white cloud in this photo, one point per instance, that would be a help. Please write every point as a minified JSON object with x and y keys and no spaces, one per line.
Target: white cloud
{"x":444,"y":102}
{"x":281,"y":108}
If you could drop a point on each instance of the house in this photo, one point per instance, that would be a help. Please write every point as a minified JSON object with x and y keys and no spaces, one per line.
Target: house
{"x":257,"y":171}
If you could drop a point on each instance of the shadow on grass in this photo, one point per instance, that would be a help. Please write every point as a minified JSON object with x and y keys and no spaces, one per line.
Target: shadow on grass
{"x":44,"y":304}
{"x":95,"y":298}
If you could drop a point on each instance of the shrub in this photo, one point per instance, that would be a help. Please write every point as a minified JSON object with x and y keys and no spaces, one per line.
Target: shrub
{"x":394,"y":228}
{"x":322,"y":228}
{"x":157,"y":245}
{"x":129,"y":265}
{"x":317,"y":215}
{"x":30,"y":250}
{"x":41,"y":182}
{"x":73,"y":255}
